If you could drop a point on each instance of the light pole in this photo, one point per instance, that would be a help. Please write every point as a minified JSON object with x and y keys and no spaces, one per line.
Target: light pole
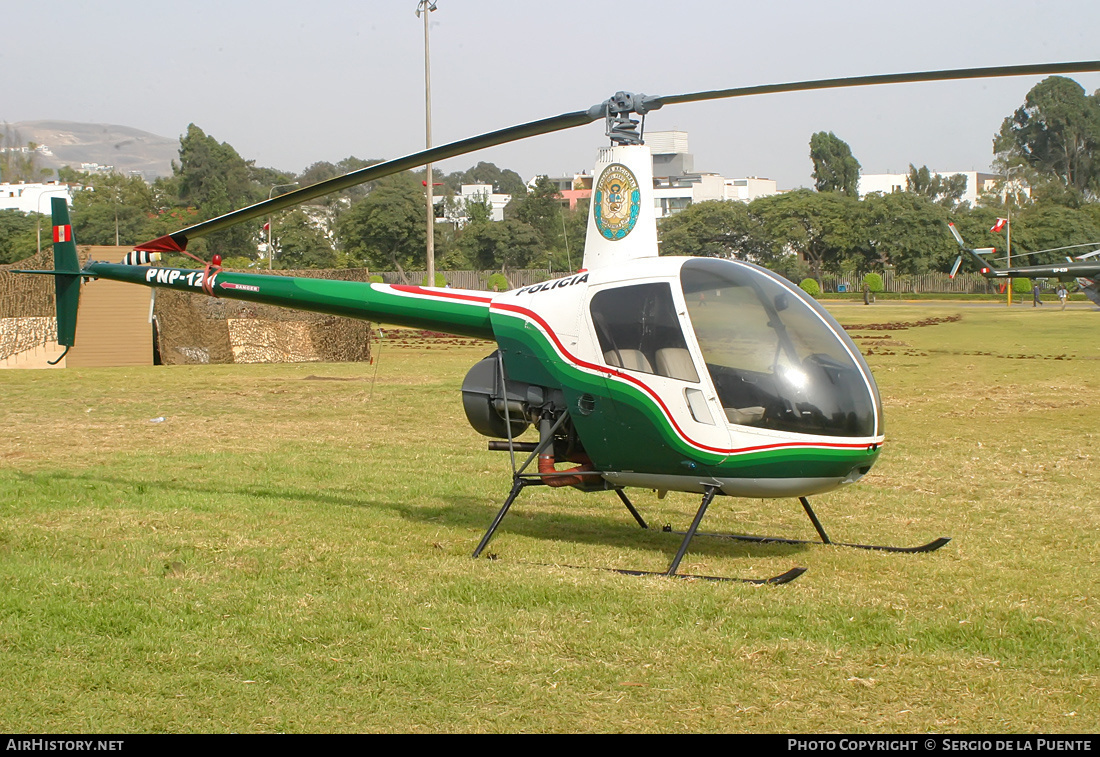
{"x":270,"y":249}
{"x":425,"y":7}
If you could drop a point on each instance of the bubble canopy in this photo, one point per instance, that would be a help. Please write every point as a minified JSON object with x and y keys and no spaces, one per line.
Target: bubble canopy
{"x":778,"y":360}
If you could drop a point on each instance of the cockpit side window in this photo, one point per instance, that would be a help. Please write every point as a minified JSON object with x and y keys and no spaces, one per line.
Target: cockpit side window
{"x":638,"y":330}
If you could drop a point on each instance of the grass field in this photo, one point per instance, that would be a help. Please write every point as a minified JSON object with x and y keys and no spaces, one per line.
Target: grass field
{"x":288,"y":551}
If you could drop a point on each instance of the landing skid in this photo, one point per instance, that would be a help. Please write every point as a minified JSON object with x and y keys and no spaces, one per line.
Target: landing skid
{"x":931,"y":546}
{"x":522,"y":481}
{"x":782,"y":578}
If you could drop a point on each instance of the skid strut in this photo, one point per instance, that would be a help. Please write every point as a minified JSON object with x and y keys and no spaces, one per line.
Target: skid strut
{"x":521,"y":481}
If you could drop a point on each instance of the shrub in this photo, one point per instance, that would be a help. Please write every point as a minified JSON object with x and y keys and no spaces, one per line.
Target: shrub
{"x":1021,"y":286}
{"x":874,"y":283}
{"x":498,"y":282}
{"x":375,"y":279}
{"x":810,"y":287}
{"x":439,"y":280}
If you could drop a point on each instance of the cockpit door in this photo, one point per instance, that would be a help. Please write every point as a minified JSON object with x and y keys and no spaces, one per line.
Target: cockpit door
{"x":660,"y":387}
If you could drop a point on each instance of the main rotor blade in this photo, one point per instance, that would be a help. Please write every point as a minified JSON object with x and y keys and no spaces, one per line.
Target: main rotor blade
{"x":177,"y":240}
{"x":1040,"y":69}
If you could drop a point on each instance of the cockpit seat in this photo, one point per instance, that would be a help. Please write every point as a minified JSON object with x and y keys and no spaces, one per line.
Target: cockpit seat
{"x":676,"y":362}
{"x":744,"y":416}
{"x":632,"y":360}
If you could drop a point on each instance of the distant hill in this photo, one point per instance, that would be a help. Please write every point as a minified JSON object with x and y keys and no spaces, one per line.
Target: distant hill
{"x":124,"y":148}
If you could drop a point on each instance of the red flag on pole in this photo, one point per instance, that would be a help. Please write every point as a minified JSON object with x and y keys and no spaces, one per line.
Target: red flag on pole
{"x":267,"y":226}
{"x":999,"y":226}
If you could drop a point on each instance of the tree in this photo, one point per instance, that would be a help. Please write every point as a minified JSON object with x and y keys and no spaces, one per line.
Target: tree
{"x":716,"y":228}
{"x":113,"y":209}
{"x":19,"y":234}
{"x":504,"y":181}
{"x":1056,"y":132}
{"x":904,"y":230}
{"x":478,"y":209}
{"x":510,"y":243}
{"x":1046,"y":226}
{"x":835,"y":169}
{"x":574,"y":229}
{"x":943,"y":190}
{"x":541,"y":209}
{"x":385,"y":230}
{"x":299,"y":243}
{"x":215,"y":179}
{"x":323,"y":171}
{"x":822,"y":228}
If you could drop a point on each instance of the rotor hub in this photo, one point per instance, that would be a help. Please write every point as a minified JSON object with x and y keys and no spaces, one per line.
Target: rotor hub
{"x":616,"y":110}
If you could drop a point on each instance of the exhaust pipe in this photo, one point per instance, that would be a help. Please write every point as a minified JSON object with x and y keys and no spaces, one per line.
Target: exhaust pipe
{"x":552,"y":477}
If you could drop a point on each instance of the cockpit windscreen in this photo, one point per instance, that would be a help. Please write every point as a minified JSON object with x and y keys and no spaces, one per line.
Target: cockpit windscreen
{"x":777,"y":359}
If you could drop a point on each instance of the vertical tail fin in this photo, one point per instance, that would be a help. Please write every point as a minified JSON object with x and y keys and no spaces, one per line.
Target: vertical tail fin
{"x":67,"y":276}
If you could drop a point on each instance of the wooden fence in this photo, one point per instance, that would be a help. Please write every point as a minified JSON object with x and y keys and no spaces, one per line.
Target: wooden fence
{"x":473,"y":279}
{"x":964,"y":283}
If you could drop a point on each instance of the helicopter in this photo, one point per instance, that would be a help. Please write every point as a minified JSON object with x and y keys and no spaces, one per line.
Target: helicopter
{"x":702,"y":375}
{"x":1084,"y":270}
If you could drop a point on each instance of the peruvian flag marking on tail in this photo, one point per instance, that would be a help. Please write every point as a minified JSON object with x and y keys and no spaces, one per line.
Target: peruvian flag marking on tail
{"x":63,"y":233}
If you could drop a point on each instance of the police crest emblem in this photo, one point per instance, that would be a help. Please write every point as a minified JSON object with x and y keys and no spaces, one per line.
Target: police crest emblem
{"x":617,"y":202}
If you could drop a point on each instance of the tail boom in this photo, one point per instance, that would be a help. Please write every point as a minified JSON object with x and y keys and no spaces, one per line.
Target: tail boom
{"x":453,"y":311}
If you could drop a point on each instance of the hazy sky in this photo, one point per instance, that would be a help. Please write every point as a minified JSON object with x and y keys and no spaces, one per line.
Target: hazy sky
{"x":291,"y":83}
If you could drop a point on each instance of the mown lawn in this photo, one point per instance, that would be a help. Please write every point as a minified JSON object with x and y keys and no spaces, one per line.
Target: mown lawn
{"x":289,"y":551}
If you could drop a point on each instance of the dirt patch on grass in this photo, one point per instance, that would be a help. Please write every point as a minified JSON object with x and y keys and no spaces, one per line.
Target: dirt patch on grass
{"x":902,"y":325}
{"x":422,"y":339}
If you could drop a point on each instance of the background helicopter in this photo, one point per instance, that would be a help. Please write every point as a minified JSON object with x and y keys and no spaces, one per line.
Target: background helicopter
{"x":1084,"y":270}
{"x":687,"y":374}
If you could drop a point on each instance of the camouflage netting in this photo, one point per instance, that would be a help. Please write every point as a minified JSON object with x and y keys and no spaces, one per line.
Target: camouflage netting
{"x":194,"y":329}
{"x":26,"y":306}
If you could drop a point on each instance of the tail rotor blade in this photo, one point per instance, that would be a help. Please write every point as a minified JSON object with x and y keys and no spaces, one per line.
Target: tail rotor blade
{"x":955,"y":268}
{"x":955,"y":233}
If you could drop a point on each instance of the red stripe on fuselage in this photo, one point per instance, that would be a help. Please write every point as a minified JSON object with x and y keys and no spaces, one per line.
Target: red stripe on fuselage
{"x":441,"y":293}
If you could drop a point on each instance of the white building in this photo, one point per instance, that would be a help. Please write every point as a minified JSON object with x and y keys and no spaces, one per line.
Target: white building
{"x":977,"y":184}
{"x":677,"y":185}
{"x":673,"y":195}
{"x":33,"y":198}
{"x":473,"y":193}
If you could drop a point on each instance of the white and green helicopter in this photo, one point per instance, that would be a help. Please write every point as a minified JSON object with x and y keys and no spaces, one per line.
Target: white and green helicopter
{"x":702,"y":375}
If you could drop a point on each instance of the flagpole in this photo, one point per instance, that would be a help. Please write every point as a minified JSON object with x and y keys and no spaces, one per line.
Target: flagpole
{"x":1009,"y":200}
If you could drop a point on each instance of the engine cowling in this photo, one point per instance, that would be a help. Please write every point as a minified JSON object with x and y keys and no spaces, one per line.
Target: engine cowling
{"x":493,"y":402}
